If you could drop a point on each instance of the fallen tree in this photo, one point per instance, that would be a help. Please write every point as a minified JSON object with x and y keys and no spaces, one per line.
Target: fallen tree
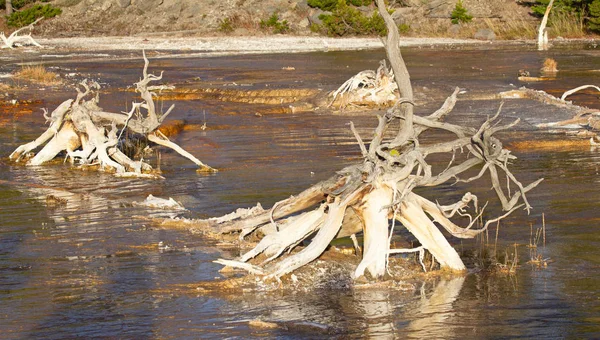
{"x":91,"y":136}
{"x":366,"y":196}
{"x":585,"y":120}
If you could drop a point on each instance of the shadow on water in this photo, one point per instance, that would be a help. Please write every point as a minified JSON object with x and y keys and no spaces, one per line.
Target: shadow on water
{"x":89,"y":267}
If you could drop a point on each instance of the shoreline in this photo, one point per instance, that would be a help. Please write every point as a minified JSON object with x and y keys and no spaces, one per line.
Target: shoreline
{"x":240,"y":45}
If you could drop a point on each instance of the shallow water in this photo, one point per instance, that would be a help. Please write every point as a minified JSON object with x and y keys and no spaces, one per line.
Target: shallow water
{"x":92,"y":268}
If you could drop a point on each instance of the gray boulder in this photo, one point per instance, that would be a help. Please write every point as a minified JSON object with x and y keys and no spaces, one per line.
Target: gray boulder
{"x":313,"y":17}
{"x":485,"y":34}
{"x":454,"y":30}
{"x":124,"y":3}
{"x":440,"y":8}
{"x":148,"y":5}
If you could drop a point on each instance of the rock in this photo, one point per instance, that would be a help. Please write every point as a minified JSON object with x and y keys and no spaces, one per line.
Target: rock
{"x":148,"y":5}
{"x":314,"y":16}
{"x":440,"y":8}
{"x":106,"y":6}
{"x":403,"y":15}
{"x":67,"y":3}
{"x":413,"y":3}
{"x":302,"y":5}
{"x":124,"y":3}
{"x":454,"y":30}
{"x":485,"y":34}
{"x":366,"y":10}
{"x":304,"y":23}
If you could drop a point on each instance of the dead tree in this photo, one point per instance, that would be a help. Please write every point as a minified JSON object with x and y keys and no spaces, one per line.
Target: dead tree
{"x":9,"y":8}
{"x":542,"y":40}
{"x":366,"y":196}
{"x":91,"y":136}
{"x":15,"y":39}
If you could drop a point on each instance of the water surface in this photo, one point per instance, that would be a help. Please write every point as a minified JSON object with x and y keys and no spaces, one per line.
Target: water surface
{"x":91,"y":268}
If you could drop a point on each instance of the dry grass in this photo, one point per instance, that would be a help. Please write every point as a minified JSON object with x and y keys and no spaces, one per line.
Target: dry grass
{"x":550,"y":66}
{"x":38,"y":74}
{"x":509,"y":29}
{"x":512,"y":29}
{"x":566,"y":25}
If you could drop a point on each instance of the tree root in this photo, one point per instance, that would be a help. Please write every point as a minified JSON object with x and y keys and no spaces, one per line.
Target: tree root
{"x":363,"y":197}
{"x":88,"y":135}
{"x":367,"y":195}
{"x":15,"y":39}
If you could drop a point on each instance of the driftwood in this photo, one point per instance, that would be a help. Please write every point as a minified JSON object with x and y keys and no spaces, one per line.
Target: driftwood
{"x":583,"y":119}
{"x":542,"y":40}
{"x":365,"y":197}
{"x":15,"y":39}
{"x":91,"y":136}
{"x":367,"y":88}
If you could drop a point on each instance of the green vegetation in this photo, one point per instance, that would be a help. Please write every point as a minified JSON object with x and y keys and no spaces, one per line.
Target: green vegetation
{"x":594,"y":16}
{"x":275,"y":25}
{"x":571,"y":17}
{"x":460,"y":14}
{"x":403,"y":28}
{"x":326,"y":5}
{"x":346,"y":19}
{"x":18,"y":4}
{"x":360,"y":2}
{"x":226,"y":25}
{"x":330,"y":5}
{"x":31,"y":14}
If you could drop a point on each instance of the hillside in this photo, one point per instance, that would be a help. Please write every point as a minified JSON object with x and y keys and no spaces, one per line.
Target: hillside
{"x":243,"y":17}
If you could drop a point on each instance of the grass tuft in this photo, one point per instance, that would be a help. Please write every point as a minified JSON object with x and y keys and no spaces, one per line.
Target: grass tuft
{"x":38,"y":74}
{"x":513,"y":29}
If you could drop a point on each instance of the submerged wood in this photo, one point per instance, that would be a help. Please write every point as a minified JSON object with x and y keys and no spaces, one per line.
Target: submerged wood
{"x":366,"y":196}
{"x":584,"y":119}
{"x":90,"y":136}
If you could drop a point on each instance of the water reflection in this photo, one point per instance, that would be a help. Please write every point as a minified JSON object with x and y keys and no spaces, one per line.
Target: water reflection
{"x":433,"y":316}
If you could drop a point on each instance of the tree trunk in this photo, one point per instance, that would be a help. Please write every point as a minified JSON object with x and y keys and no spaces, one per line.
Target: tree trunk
{"x":9,"y":8}
{"x":542,"y":31}
{"x":376,"y":233}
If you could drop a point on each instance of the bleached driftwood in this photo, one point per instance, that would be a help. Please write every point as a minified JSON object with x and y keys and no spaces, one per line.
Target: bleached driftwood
{"x":577,"y":89}
{"x":542,"y":40}
{"x":90,"y":136}
{"x":364,"y":197}
{"x":367,"y":88}
{"x":583,"y":118}
{"x":15,"y":39}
